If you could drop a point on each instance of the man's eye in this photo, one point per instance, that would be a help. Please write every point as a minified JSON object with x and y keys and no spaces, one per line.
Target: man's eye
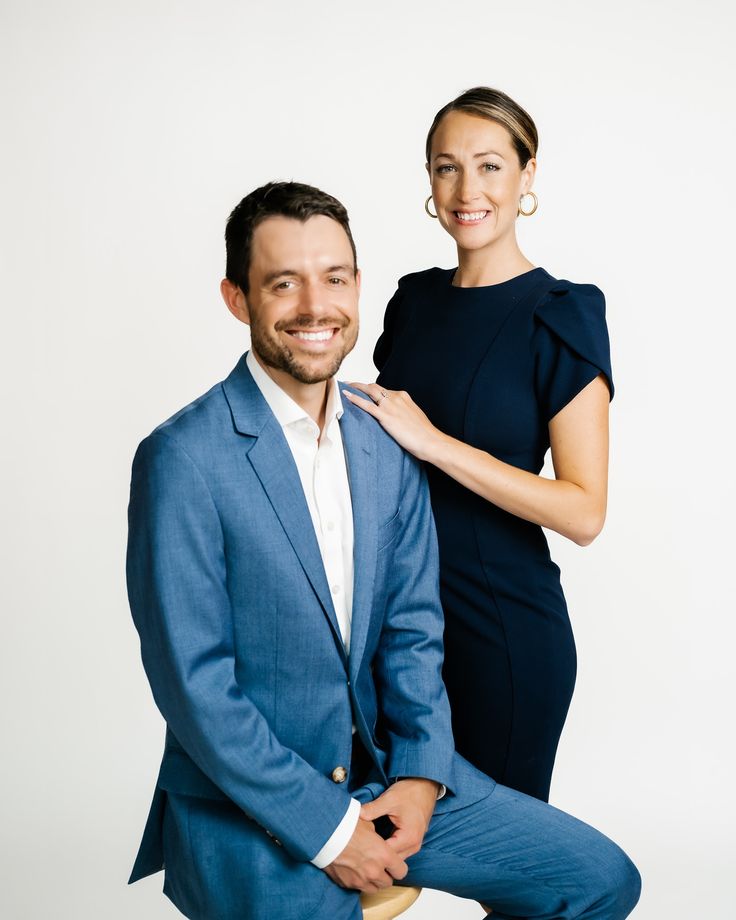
{"x":335,"y":280}
{"x":284,"y":285}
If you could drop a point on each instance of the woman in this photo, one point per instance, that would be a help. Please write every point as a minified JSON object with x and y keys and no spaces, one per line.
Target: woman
{"x":482,"y":369}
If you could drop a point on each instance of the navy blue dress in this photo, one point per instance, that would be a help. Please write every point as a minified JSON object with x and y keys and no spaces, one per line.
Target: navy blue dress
{"x":491,"y":366}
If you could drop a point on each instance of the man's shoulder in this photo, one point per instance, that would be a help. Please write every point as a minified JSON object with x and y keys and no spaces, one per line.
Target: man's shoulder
{"x":196,"y":420}
{"x":208,"y":418}
{"x":374,"y":434}
{"x":201,"y":430}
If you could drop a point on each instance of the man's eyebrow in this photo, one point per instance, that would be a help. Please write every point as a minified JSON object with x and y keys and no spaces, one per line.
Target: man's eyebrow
{"x":348,"y":269}
{"x":281,"y":273}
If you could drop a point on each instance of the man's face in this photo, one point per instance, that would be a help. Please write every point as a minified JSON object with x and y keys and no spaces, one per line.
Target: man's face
{"x":302,"y":305}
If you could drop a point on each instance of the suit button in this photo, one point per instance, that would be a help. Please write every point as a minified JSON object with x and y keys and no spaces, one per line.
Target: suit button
{"x":339,"y":775}
{"x":275,"y":839}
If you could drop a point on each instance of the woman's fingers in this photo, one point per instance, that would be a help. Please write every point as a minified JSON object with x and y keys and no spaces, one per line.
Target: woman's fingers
{"x":376,"y":392}
{"x":398,"y":415}
{"x":368,"y":405}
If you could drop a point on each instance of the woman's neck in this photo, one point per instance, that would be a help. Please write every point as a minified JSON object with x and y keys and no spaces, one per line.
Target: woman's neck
{"x":481,"y":267}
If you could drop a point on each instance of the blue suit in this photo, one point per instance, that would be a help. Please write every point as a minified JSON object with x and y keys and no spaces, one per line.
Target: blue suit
{"x":243,"y":652}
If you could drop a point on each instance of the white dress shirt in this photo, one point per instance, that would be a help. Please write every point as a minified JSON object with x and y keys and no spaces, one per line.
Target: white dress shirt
{"x":323,"y":472}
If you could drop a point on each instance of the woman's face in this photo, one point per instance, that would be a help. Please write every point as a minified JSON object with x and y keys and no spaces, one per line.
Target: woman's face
{"x":476,"y":179}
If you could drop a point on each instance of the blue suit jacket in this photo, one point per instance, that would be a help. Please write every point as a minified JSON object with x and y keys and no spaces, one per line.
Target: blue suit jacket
{"x":242,"y":649}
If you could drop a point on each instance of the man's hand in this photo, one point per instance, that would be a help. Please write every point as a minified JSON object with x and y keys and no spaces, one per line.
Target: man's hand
{"x":409,"y":804}
{"x":367,"y":863}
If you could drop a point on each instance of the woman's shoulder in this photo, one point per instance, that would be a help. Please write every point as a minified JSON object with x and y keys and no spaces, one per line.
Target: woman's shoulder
{"x":413,"y":289}
{"x":429,"y":277}
{"x":569,"y":309}
{"x":571,"y":319}
{"x":570,"y":295}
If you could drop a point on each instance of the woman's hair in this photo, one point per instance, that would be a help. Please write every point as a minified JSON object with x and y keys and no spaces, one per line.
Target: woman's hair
{"x":496,"y":106}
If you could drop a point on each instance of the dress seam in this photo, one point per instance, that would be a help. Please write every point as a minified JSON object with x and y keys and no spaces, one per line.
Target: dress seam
{"x":501,"y":620}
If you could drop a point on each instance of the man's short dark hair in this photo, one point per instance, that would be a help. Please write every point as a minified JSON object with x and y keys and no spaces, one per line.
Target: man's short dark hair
{"x":282,"y":199}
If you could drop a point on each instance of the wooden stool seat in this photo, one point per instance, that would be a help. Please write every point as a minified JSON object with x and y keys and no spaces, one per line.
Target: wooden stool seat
{"x":388,"y":903}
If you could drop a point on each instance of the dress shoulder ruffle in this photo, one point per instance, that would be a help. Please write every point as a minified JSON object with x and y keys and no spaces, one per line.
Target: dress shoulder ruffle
{"x":570,"y":343}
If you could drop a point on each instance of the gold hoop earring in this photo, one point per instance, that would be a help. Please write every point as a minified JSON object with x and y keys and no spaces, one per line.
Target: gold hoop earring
{"x":426,"y":208}
{"x":534,"y":208}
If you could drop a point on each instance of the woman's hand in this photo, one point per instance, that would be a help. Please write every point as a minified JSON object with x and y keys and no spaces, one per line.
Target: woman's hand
{"x":400,"y":416}
{"x":573,"y":504}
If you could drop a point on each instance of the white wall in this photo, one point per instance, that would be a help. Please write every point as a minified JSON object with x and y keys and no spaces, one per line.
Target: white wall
{"x":129,"y":131}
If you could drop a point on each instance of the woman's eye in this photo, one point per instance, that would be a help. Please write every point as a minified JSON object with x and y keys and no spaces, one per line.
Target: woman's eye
{"x":491,"y":167}
{"x":445,"y":168}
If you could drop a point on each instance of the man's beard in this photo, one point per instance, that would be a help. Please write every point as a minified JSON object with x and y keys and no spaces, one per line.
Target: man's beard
{"x":279,"y":356}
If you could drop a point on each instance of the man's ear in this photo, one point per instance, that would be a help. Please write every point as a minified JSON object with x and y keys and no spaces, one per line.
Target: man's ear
{"x":358,"y":278}
{"x":235,"y":301}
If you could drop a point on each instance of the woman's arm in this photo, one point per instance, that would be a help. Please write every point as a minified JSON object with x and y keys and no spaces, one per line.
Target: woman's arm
{"x":573,"y":504}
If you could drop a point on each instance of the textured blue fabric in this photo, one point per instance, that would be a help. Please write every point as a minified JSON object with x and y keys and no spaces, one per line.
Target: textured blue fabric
{"x":238,"y":633}
{"x":241,"y":646}
{"x":525,"y":859}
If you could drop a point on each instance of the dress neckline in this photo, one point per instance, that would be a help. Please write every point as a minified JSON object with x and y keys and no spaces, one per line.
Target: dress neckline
{"x":491,"y":287}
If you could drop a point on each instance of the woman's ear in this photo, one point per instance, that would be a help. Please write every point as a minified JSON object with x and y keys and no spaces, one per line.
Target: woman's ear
{"x":527,"y":175}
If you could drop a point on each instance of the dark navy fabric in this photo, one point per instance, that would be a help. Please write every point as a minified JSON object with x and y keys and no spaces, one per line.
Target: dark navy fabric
{"x":492,"y":366}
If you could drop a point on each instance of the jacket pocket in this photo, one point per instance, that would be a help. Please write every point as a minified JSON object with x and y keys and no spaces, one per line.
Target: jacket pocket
{"x":388,"y":532}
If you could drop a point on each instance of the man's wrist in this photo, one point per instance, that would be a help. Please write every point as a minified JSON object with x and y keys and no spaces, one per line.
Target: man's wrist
{"x":440,"y":788}
{"x":339,"y":838}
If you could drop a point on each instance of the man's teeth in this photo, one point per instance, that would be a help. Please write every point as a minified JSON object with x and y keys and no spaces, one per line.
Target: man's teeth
{"x":471,"y":215}
{"x":314,"y":336}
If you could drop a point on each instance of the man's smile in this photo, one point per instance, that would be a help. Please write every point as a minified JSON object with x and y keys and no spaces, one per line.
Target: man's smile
{"x":314,"y":336}
{"x":317,"y":338}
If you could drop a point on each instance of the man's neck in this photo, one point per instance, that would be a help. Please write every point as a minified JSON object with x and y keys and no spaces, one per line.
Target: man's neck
{"x":312,"y":397}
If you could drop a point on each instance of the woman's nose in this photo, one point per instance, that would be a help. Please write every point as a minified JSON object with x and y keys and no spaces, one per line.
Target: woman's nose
{"x":467,"y":188}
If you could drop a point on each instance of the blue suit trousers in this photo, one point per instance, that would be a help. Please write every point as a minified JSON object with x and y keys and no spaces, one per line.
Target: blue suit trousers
{"x":520,"y":856}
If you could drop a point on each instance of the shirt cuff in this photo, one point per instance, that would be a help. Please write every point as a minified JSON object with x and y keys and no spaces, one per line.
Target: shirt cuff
{"x":340,"y":837}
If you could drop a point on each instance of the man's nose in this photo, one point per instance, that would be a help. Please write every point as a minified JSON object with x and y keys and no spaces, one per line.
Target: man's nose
{"x":313,"y":300}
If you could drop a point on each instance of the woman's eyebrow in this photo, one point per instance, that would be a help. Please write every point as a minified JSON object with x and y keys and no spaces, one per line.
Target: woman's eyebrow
{"x":484,"y":153}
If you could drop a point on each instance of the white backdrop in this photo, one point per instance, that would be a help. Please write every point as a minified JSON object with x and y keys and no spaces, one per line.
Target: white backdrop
{"x":129,"y":131}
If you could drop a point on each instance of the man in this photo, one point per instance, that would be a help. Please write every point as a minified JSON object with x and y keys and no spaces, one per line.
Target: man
{"x":282,"y":573}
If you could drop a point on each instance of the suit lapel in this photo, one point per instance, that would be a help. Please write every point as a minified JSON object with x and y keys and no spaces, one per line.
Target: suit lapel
{"x":274,"y":465}
{"x":355,"y":427}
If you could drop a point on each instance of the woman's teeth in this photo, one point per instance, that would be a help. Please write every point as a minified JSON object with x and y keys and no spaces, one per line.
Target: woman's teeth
{"x":470,"y":215}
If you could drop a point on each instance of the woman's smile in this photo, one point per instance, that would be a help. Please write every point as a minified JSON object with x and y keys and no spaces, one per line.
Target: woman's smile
{"x":470,"y":217}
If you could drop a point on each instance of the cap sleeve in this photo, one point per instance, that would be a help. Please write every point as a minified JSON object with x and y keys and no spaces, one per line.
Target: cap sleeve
{"x":570,"y":344}
{"x":391,"y":322}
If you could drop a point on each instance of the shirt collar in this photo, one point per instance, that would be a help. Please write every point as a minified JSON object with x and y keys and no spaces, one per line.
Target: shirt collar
{"x":287,"y":411}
